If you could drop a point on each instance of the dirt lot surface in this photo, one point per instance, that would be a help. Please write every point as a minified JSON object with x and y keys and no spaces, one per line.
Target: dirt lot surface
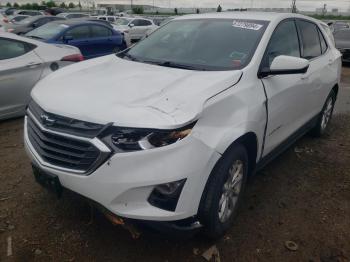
{"x":303,"y":196}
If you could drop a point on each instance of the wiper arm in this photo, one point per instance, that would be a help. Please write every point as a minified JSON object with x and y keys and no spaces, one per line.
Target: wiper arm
{"x":35,"y":37}
{"x":130,"y":57}
{"x":175,"y":65}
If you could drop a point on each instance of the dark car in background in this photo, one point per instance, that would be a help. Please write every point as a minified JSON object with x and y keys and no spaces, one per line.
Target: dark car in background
{"x":92,"y":38}
{"x":30,"y":23}
{"x":342,"y":43}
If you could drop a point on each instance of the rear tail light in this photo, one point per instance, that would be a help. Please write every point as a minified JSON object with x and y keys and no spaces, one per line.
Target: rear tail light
{"x":73,"y":58}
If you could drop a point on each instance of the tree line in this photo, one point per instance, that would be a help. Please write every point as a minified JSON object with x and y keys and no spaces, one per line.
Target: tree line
{"x":43,"y":4}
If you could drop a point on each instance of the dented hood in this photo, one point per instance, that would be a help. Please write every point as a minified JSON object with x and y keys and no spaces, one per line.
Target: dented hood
{"x":111,"y":89}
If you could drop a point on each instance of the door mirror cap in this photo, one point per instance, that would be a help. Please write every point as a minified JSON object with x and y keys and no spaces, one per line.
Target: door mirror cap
{"x":285,"y":65}
{"x":131,"y":25}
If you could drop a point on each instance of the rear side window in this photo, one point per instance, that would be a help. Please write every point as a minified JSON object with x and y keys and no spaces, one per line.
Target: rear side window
{"x":311,"y":45}
{"x":11,"y":48}
{"x":79,"y":32}
{"x":328,"y":32}
{"x":284,"y":41}
{"x":100,"y":31}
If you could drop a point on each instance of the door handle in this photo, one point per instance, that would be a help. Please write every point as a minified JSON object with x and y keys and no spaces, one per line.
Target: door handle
{"x":33,"y":65}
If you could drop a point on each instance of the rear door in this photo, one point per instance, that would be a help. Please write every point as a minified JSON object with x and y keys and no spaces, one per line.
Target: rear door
{"x":103,"y":41}
{"x":322,"y":73}
{"x":79,"y":36}
{"x":287,"y":94}
{"x":20,"y":69}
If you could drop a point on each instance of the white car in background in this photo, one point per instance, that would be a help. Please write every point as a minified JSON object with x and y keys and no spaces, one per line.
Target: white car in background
{"x":135,"y":28}
{"x":72,"y":15}
{"x":23,"y":62}
{"x":169,"y":131}
{"x":109,"y":18}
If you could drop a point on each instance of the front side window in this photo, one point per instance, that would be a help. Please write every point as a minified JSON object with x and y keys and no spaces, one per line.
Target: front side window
{"x":79,"y":32}
{"x":11,"y":49}
{"x":310,"y":39}
{"x":201,"y":44}
{"x":284,"y":41}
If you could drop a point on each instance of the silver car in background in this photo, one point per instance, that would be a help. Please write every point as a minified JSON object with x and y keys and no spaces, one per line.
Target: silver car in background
{"x":342,"y":43}
{"x":23,"y":62}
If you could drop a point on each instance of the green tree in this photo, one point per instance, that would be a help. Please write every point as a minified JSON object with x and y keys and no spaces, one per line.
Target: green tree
{"x":50,"y":4}
{"x":35,"y":6}
{"x":137,"y":10}
{"x":176,"y":11}
{"x":63,"y":5}
{"x":15,"y":5}
{"x":71,"y":5}
{"x":8,"y":4}
{"x":28,"y":6}
{"x":219,"y":9}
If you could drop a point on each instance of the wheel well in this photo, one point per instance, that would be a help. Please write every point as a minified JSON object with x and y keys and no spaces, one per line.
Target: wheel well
{"x":336,"y":89}
{"x":250,"y":142}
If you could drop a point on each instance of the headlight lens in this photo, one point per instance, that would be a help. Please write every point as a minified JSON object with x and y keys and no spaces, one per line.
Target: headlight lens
{"x":134,"y":139}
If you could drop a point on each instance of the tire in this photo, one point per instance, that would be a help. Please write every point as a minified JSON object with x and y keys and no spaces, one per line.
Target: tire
{"x":325,"y":116}
{"x":211,"y":212}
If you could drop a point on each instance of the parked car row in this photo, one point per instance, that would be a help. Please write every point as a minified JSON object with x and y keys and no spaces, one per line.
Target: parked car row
{"x":23,"y":62}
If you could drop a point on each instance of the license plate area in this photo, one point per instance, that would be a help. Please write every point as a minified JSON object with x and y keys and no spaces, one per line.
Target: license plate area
{"x":49,"y":181}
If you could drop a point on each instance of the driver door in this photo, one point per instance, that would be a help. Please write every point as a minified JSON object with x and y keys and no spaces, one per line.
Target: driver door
{"x":287,"y":94}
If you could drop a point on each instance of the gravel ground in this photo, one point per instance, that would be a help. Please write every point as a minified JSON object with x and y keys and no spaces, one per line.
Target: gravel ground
{"x":303,"y":196}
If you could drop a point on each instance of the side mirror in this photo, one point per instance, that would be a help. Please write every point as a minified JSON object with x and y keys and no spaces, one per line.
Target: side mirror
{"x":285,"y":65}
{"x":131,"y":25}
{"x":35,"y":25}
{"x":67,"y":38}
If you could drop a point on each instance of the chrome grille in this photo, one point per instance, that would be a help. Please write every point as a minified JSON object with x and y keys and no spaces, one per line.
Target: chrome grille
{"x":65,"y":152}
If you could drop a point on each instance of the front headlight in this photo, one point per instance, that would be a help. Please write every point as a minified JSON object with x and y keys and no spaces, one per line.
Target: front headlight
{"x":134,"y":139}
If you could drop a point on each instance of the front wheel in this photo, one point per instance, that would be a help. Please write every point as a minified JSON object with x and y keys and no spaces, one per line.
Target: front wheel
{"x":325,"y":116}
{"x":223,"y":192}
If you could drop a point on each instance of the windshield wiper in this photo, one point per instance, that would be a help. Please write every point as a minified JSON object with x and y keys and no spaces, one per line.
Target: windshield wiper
{"x":175,"y":65}
{"x":35,"y":37}
{"x":130,"y":57}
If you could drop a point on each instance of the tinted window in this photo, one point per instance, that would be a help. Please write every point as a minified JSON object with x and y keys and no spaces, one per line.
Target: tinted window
{"x":323,"y":42}
{"x":100,"y":31}
{"x":310,"y":39}
{"x":111,"y":19}
{"x":202,"y":44}
{"x":284,"y":41}
{"x":144,"y":23}
{"x":102,"y":18}
{"x":79,"y":32}
{"x":11,"y":49}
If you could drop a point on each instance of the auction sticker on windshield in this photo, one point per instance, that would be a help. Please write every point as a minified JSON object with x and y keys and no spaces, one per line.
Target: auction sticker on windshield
{"x":247,"y":25}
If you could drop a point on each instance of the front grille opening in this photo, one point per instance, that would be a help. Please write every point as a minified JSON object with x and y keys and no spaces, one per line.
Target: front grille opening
{"x":62,"y":151}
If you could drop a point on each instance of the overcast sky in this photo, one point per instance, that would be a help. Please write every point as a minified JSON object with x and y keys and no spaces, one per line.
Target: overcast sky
{"x":301,"y":4}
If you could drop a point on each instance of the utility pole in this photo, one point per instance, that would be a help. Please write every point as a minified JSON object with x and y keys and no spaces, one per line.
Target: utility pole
{"x":131,"y":4}
{"x":324,"y":10}
{"x":294,"y":6}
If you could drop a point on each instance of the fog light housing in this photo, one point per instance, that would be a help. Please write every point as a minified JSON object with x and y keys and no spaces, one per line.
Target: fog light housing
{"x":166,"y":196}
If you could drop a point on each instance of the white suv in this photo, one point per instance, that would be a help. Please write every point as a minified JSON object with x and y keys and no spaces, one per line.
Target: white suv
{"x":169,"y":130}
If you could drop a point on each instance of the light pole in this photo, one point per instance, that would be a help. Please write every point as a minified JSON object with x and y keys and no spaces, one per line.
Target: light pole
{"x":294,"y":6}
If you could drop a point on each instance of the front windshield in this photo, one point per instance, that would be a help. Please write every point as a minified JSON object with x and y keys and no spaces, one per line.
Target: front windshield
{"x":122,"y":21}
{"x":47,"y":31}
{"x":201,"y":44}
